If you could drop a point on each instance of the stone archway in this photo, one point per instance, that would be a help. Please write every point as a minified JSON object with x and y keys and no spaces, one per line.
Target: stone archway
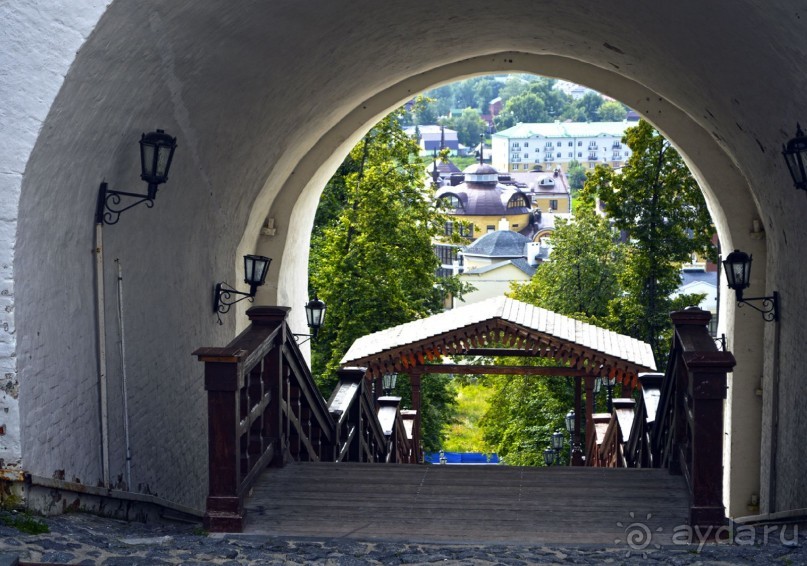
{"x":265,"y":101}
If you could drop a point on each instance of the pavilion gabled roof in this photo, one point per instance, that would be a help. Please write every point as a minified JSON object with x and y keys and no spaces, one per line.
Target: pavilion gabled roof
{"x":502,"y":321}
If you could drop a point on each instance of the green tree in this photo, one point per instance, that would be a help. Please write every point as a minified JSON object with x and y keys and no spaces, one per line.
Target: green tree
{"x":438,"y":406}
{"x":658,"y":203}
{"x":581,"y":279}
{"x":584,"y":109}
{"x":612,"y":111}
{"x":524,"y":412}
{"x":528,"y":107}
{"x":468,"y":126}
{"x":485,"y":90}
{"x":371,"y":257}
{"x":576,"y":175}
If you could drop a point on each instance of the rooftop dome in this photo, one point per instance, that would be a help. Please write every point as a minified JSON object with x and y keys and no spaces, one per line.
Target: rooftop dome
{"x":501,"y":243}
{"x":481,"y":173}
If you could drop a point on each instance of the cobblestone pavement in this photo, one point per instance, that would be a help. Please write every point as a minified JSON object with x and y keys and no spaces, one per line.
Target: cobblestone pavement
{"x":86,"y":539}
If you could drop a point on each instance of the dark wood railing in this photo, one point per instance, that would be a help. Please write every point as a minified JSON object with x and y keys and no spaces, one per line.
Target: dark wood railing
{"x":399,"y":445}
{"x":265,"y":409}
{"x":359,"y":436}
{"x":637,"y":451}
{"x":687,"y":433}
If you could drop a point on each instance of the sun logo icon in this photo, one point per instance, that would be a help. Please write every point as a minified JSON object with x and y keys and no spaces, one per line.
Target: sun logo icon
{"x":638,"y":535}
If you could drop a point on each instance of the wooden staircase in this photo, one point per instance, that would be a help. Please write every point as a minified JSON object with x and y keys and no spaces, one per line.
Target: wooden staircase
{"x":466,"y":504}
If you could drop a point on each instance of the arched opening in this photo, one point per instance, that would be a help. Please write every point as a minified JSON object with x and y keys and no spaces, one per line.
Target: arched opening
{"x":242,"y":158}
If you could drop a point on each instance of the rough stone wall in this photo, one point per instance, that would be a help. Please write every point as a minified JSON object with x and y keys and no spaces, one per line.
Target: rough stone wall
{"x":265,"y":100}
{"x":38,"y":42}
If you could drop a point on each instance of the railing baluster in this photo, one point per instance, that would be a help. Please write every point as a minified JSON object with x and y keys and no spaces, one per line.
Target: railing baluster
{"x":687,"y":434}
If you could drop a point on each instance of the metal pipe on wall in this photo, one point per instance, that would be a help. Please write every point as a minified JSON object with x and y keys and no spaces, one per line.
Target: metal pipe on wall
{"x":101,"y":323}
{"x":123,"y":374}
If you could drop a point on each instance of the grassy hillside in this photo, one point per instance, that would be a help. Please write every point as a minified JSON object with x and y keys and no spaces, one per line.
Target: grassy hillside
{"x":465,"y":435}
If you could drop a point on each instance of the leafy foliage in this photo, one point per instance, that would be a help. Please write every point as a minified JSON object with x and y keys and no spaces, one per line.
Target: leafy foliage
{"x":623,"y":284}
{"x":468,"y":126}
{"x":371,"y":257}
{"x":582,"y":277}
{"x":576,"y":175}
{"x":524,"y":412}
{"x":659,"y":205}
{"x":465,"y":433}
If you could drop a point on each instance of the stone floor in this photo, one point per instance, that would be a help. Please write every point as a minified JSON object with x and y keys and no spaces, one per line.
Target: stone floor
{"x":85,"y":539}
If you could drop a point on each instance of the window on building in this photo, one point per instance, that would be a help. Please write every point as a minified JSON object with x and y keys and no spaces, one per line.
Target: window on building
{"x":571,"y":154}
{"x":526,"y":155}
{"x":579,"y":143}
{"x":553,"y":204}
{"x":467,"y":231}
{"x":491,"y":228}
{"x":548,"y":144}
{"x":515,"y":226}
{"x":517,"y":201}
{"x":571,"y":144}
{"x":579,"y":154}
{"x":526,"y":144}
{"x":451,"y":201}
{"x":558,"y":144}
{"x":449,"y":228}
{"x":558,"y":155}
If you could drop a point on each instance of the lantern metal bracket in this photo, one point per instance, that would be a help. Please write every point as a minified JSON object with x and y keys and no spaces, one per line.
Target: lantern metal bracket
{"x":306,"y":336}
{"x":223,"y":295}
{"x":769,"y":308}
{"x":109,"y":207}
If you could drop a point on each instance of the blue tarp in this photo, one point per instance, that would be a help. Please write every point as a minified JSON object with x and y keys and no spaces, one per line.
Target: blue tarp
{"x":463,"y":458}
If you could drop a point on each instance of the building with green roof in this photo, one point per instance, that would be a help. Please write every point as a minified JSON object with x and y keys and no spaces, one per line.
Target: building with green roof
{"x":552,"y":145}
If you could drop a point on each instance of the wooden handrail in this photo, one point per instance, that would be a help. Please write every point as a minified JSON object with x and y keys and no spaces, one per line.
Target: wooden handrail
{"x":359,"y":435}
{"x":263,"y":408}
{"x":686,"y":434}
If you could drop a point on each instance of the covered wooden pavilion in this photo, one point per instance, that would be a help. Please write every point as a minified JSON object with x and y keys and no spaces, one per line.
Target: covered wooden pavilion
{"x":501,"y":326}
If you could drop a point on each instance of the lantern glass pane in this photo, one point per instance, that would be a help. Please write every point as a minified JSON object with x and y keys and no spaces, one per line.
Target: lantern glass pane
{"x":255,"y":269}
{"x":549,"y":456}
{"x":570,"y":421}
{"x":557,"y":440}
{"x":163,"y":155}
{"x":146,"y":160}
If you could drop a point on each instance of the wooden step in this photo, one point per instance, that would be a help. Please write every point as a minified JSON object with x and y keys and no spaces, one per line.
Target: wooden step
{"x":462,"y":504}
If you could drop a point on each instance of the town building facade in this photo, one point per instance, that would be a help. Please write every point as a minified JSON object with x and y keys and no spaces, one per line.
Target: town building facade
{"x":547,"y":146}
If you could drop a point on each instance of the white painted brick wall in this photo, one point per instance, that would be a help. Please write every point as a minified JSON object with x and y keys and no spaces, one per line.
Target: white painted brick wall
{"x":38,"y":41}
{"x":215,"y":99}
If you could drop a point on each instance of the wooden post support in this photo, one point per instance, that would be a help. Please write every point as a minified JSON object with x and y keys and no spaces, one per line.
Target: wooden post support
{"x":577,"y":452}
{"x":704,"y":375}
{"x":414,"y":381}
{"x":589,"y":410}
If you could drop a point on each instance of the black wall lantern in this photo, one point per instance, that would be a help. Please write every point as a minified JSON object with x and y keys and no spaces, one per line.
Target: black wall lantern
{"x":738,"y":277}
{"x":255,"y":269}
{"x":795,"y":153}
{"x":156,"y":153}
{"x":315,"y":316}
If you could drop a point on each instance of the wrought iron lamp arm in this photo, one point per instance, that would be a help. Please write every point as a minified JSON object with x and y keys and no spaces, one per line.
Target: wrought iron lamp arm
{"x":769,"y":308}
{"x":223,"y":294}
{"x":108,"y":210}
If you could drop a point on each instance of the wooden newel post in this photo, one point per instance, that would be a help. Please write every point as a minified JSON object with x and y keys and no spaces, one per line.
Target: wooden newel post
{"x":231,"y":390}
{"x":225,"y":511}
{"x":706,"y":370}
